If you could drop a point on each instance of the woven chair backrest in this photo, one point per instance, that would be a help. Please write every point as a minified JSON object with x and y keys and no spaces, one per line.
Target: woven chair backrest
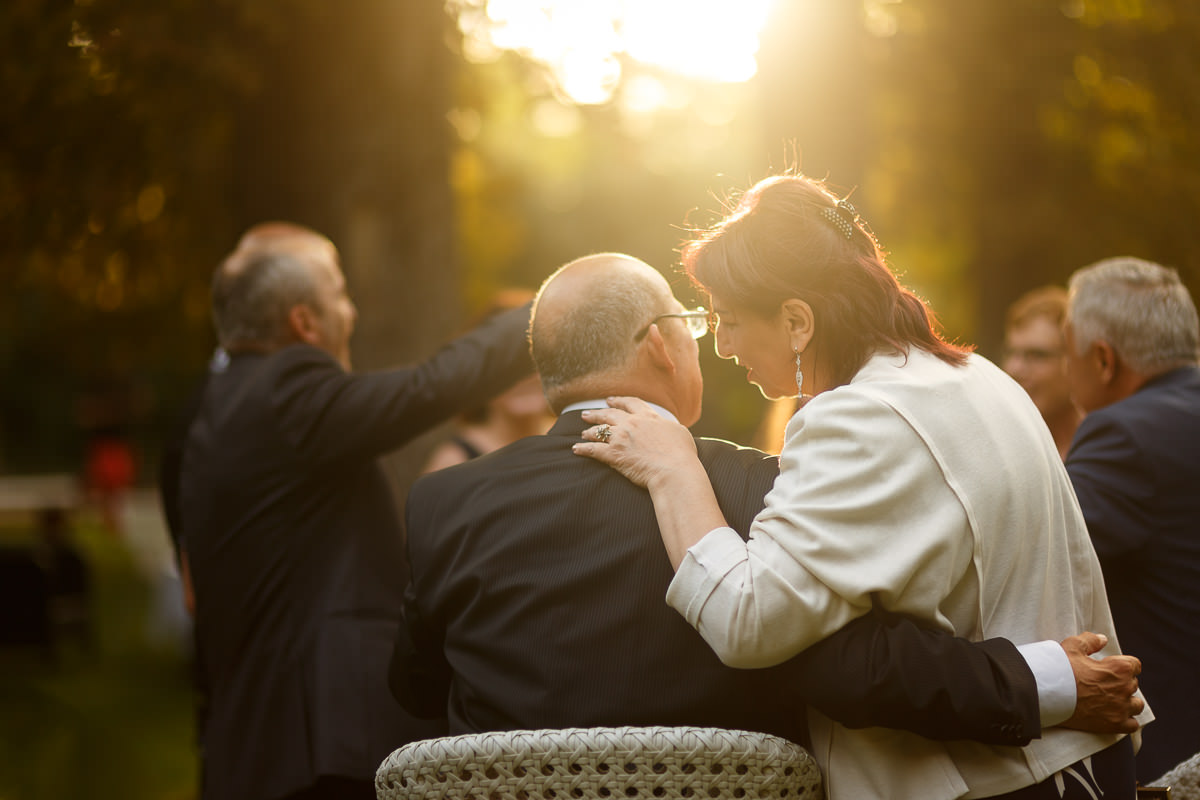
{"x":1183,"y":778}
{"x":601,"y":763}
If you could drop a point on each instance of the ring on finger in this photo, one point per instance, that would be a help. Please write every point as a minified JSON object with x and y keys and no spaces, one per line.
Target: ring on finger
{"x":603,"y":433}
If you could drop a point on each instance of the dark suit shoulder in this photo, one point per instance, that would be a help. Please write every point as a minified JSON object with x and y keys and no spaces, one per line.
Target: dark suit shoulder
{"x":731,"y":464}
{"x":282,"y":377}
{"x":1139,"y":445}
{"x":447,"y":494}
{"x":484,"y":468}
{"x":711,"y":449}
{"x":740,"y":477}
{"x":1166,"y":400}
{"x":300,"y":353}
{"x":297,"y":364}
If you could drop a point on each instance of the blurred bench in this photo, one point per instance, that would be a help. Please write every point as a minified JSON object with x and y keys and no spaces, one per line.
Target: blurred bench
{"x":24,"y":599}
{"x":23,"y":496}
{"x":45,"y":584}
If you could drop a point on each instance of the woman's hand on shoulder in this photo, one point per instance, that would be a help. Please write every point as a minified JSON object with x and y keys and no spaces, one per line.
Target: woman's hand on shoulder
{"x":637,"y":441}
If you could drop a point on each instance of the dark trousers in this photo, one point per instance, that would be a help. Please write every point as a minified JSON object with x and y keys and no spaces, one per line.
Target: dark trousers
{"x":1111,"y":777}
{"x":334,"y":788}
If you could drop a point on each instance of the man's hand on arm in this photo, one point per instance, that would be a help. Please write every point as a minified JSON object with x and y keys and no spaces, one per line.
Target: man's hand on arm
{"x":1104,"y":688}
{"x":886,"y":670}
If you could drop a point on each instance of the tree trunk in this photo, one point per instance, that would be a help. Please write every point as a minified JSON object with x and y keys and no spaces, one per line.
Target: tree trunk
{"x":348,"y":134}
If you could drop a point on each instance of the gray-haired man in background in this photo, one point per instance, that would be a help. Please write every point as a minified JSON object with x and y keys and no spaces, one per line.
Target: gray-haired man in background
{"x":1132,"y":338}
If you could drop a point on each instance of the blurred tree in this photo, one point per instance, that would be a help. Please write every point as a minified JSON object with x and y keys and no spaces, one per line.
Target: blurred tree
{"x":108,"y":198}
{"x":1026,"y":139}
{"x":814,"y":92}
{"x":993,"y":146}
{"x":144,"y":135}
{"x":348,"y":133}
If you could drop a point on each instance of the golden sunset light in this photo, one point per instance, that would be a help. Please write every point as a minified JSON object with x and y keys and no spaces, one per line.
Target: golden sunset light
{"x":588,"y":45}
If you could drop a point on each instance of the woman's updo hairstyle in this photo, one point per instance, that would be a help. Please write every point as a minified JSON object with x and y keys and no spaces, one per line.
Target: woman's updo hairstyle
{"x":790,"y":237}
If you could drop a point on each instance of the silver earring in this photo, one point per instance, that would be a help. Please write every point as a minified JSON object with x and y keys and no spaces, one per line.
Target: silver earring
{"x":799,"y":375}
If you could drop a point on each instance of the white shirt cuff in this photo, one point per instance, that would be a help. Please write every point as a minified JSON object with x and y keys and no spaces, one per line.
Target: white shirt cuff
{"x":1055,"y":680}
{"x":704,"y":566}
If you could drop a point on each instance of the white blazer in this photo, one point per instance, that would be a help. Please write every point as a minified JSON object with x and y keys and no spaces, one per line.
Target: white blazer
{"x":930,"y":490}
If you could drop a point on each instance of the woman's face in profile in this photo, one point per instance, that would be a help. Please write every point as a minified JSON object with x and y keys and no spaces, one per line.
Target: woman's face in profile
{"x":759,"y":344}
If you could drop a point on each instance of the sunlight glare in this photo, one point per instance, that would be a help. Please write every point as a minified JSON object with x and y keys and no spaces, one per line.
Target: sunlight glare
{"x":714,"y":40}
{"x":584,"y":43}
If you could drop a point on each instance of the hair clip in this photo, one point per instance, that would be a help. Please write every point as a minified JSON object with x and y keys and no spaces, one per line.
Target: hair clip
{"x":842,"y":216}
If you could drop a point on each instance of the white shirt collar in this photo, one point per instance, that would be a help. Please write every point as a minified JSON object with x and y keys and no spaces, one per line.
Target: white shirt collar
{"x":586,"y":404}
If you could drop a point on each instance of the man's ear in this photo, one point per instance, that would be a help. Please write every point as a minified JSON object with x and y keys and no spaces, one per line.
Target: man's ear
{"x":1105,"y":359}
{"x":798,"y":319}
{"x":302,"y":322}
{"x":654,"y":347}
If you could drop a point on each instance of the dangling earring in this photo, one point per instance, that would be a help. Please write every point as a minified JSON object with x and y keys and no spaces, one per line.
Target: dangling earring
{"x":799,"y":375}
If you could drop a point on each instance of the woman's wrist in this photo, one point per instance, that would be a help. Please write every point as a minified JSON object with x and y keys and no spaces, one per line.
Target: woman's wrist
{"x":678,"y":478}
{"x":686,"y":508}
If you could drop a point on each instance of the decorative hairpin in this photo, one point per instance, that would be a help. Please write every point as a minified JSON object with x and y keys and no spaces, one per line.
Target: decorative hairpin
{"x":842,"y":215}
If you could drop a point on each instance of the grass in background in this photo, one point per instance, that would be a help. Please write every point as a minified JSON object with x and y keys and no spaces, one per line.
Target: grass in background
{"x":109,"y":720}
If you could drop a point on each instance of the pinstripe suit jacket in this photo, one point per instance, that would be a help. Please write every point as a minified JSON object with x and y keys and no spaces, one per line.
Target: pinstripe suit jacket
{"x":537,"y":601}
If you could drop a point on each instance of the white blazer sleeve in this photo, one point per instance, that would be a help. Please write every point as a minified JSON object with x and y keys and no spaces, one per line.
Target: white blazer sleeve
{"x":860,"y":513}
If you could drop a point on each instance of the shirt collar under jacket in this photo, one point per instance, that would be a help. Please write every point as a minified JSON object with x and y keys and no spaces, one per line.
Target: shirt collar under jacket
{"x":586,"y":404}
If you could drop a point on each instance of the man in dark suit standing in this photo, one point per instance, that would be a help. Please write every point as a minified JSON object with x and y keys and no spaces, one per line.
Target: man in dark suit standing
{"x":537,"y":598}
{"x":1132,"y":339}
{"x":291,"y":535}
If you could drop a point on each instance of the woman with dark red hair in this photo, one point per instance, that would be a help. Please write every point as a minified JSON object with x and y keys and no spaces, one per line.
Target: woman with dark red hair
{"x":916,"y":477}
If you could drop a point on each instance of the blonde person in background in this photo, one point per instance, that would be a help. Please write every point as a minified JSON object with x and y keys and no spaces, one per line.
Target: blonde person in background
{"x":917,"y":478}
{"x":1035,"y":356}
{"x":519,"y":412}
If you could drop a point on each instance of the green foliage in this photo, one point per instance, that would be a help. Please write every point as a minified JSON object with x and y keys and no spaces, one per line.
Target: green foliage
{"x":112,"y":184}
{"x":138,"y":141}
{"x":993,"y":145}
{"x":113,"y":720}
{"x":1031,"y":139}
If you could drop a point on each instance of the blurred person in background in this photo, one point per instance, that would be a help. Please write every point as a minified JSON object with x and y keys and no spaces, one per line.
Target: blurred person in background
{"x":1035,"y":356}
{"x":514,"y":414}
{"x":290,"y":531}
{"x":1132,"y":339}
{"x":105,"y":412}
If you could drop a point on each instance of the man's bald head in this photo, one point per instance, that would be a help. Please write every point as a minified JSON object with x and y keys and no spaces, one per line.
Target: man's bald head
{"x":279,"y":236}
{"x":587,"y":314}
{"x":270,"y":271}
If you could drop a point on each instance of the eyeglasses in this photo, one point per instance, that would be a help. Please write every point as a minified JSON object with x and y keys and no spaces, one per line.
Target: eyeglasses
{"x":696,"y":320}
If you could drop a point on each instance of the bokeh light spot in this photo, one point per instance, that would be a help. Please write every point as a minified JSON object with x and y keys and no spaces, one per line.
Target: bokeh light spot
{"x":150,"y":203}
